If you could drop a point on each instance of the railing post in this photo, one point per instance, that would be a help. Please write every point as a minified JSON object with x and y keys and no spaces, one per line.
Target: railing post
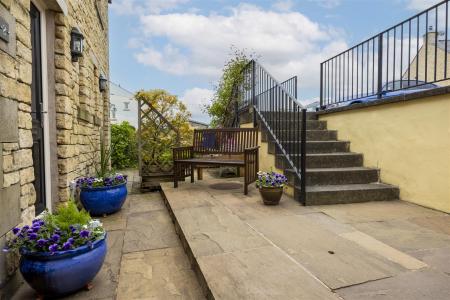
{"x":236,"y":113}
{"x":321,"y":85}
{"x":140,"y":137}
{"x":296,"y":87}
{"x":253,"y":92}
{"x":380,"y":66}
{"x":303,"y":159}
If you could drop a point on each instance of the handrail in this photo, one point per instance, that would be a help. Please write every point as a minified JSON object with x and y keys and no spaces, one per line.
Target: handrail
{"x":281,"y":114}
{"x":404,"y":56}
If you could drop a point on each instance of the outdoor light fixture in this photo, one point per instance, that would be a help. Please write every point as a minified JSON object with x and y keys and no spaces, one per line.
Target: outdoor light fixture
{"x":76,"y":44}
{"x":102,"y":82}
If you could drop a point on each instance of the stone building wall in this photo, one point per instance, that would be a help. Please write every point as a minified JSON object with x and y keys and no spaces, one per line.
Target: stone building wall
{"x":80,"y":111}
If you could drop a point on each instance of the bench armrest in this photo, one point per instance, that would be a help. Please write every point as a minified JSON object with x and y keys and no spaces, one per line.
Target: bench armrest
{"x":251,"y":149}
{"x":183,"y":152}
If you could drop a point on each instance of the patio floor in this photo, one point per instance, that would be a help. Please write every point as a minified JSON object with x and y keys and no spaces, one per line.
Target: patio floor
{"x":241,"y":249}
{"x":145,"y":259}
{"x":237,"y":248}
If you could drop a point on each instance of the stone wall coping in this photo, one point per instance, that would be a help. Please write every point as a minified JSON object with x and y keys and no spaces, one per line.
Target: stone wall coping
{"x":58,"y":5}
{"x":396,"y":99}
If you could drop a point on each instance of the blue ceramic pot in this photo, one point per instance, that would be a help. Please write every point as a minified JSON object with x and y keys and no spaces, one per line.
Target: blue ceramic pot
{"x":64,"y":272}
{"x":103,"y":200}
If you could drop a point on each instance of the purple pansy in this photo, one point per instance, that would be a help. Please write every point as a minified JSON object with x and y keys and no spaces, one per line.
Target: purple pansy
{"x":85,"y":233}
{"x":41,"y":242}
{"x":56,"y":237}
{"x":16,"y":230}
{"x":53,"y":248}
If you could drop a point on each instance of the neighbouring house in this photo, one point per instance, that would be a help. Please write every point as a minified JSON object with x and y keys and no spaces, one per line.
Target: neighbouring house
{"x":197,"y":124}
{"x":426,"y":69}
{"x":54,"y":106}
{"x":123,"y":105}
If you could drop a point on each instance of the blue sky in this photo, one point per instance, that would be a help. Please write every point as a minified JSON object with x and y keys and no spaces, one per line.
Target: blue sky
{"x":181,"y":45}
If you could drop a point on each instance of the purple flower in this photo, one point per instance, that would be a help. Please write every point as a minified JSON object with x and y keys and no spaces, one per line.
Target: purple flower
{"x":70,"y":241}
{"x":32,"y":236}
{"x":67,"y":246}
{"x":53,"y":248}
{"x":35,"y":228}
{"x":84,"y":233}
{"x":16,"y":230}
{"x":25,"y":228}
{"x":56,"y":237}
{"x":41,"y":242}
{"x":72,"y":229}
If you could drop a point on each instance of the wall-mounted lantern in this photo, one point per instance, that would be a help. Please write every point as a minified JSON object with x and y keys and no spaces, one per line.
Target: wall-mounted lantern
{"x":102,"y":83}
{"x":76,"y":44}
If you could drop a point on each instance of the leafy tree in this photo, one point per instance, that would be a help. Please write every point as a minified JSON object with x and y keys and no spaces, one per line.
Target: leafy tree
{"x":232,"y":75}
{"x":158,"y":129}
{"x":124,"y":150}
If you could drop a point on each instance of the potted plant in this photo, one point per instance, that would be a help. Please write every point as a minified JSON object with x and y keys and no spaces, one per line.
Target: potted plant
{"x":270,"y":185}
{"x":106,"y":192}
{"x":60,"y":253}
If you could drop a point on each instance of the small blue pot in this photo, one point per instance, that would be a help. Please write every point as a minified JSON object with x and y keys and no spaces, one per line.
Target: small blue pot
{"x":104,"y":200}
{"x":65,"y":272}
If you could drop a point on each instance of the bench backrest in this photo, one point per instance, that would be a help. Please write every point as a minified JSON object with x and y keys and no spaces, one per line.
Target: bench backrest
{"x":224,"y":140}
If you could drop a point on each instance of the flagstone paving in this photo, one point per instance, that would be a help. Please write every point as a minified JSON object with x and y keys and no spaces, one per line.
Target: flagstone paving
{"x":229,"y":246}
{"x":145,"y":259}
{"x":241,"y":249}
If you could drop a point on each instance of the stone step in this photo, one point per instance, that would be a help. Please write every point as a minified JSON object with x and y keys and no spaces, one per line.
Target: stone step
{"x":335,"y":176}
{"x":311,"y":135}
{"x":312,"y":147}
{"x":351,"y":193}
{"x":296,"y":124}
{"x":287,"y":114}
{"x":323,"y":160}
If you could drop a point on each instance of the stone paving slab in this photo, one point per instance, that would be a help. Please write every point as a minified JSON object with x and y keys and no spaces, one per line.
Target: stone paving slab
{"x":149,"y":230}
{"x":211,"y":230}
{"x":404,"y":235}
{"x":146,"y":202}
{"x":377,"y":211}
{"x":260,"y":273}
{"x":158,"y":274}
{"x":435,"y":258}
{"x":336,"y":261}
{"x":439,"y":224}
{"x":418,"y":285}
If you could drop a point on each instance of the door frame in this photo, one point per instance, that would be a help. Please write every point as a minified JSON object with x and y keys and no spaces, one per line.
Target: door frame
{"x":40,"y":5}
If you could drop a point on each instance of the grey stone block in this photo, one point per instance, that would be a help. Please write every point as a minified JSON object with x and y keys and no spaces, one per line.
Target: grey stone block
{"x":9,"y":208}
{"x":1,"y":165}
{"x":10,"y":46}
{"x":8,"y":121}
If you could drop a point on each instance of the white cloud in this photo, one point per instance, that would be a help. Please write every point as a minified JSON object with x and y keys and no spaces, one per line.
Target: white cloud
{"x":283,"y":5}
{"x":289,"y":43}
{"x":327,"y":3}
{"x":128,"y":7}
{"x":421,"y":4}
{"x":195,"y":99}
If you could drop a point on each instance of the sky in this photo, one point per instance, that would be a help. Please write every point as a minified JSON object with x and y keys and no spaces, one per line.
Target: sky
{"x":182,"y":45}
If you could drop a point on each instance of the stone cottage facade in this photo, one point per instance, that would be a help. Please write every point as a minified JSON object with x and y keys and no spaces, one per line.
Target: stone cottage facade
{"x":52,"y":112}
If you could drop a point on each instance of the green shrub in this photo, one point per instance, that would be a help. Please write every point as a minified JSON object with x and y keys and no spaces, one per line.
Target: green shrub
{"x":67,"y":215}
{"x":124,"y":146}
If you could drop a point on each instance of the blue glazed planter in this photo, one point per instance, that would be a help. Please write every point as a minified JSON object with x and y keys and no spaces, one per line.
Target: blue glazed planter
{"x":103,"y":200}
{"x":64,"y":272}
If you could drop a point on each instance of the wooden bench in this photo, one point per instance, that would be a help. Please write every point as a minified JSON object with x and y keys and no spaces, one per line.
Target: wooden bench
{"x":211,"y":148}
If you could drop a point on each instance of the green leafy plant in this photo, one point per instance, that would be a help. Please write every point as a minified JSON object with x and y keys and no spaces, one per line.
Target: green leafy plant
{"x":124,"y":154}
{"x":66,"y":215}
{"x":232,"y":75}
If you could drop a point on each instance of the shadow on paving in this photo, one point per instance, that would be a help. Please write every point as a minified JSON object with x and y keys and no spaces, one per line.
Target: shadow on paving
{"x":145,"y":259}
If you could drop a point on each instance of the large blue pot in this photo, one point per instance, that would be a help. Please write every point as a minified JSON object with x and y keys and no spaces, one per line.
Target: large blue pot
{"x":103,"y":200}
{"x":63,"y":272}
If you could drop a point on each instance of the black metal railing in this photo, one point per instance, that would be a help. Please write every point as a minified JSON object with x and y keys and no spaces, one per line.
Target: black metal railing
{"x":262,"y":84}
{"x":281,"y":114}
{"x":409,"y":55}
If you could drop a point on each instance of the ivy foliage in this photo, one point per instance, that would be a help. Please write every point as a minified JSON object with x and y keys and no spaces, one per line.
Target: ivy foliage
{"x":219,"y":108}
{"x":124,"y":153}
{"x":157,"y":136}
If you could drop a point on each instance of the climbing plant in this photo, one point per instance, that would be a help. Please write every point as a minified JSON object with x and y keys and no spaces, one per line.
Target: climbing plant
{"x":219,"y":108}
{"x":164,"y":124}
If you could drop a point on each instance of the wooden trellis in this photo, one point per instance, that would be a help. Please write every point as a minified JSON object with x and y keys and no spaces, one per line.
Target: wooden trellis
{"x":156,"y":137}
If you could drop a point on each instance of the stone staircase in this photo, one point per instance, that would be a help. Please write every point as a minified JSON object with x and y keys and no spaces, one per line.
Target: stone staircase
{"x":334,"y":175}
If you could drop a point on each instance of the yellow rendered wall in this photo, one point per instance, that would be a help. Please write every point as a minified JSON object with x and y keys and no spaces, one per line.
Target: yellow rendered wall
{"x":409,"y":141}
{"x":266,"y":160}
